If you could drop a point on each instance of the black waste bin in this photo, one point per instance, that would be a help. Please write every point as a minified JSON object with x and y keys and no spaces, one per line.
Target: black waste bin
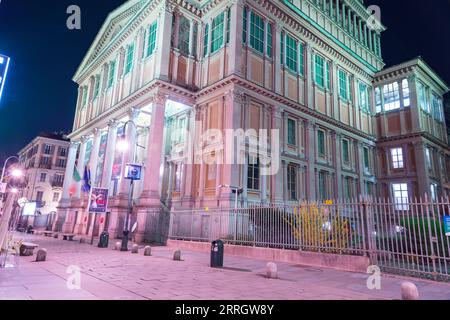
{"x":104,"y":240}
{"x":217,"y":254}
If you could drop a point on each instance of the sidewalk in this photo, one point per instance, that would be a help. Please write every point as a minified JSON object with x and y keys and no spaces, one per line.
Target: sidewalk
{"x":110,"y":274}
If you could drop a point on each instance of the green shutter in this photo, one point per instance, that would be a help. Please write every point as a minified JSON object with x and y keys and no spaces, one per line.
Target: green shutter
{"x":319,"y":71}
{"x":291,"y":53}
{"x":343,"y":85}
{"x":151,"y":41}
{"x":321,"y":142}
{"x":269,"y":40}
{"x":206,"y":41}
{"x":291,"y":132}
{"x":301,"y":59}
{"x":217,"y":33}
{"x":345,"y":155}
{"x":244,"y":29}
{"x":256,"y":32}
{"x":327,"y":75}
{"x":129,"y":60}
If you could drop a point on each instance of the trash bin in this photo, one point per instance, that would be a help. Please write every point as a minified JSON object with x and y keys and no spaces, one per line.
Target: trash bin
{"x":104,"y":240}
{"x":217,"y":254}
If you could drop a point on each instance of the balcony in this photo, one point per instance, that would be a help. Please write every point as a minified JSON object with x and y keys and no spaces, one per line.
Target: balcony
{"x":57,"y":184}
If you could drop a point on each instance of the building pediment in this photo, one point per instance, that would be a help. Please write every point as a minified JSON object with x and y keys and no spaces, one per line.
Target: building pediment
{"x":111,"y":28}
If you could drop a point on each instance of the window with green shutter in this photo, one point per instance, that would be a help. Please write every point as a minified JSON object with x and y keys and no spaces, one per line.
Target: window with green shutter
{"x":205,"y":40}
{"x":256,"y":32}
{"x":96,"y":87}
{"x":327,"y":75}
{"x":363,"y":98}
{"x":129,"y":60}
{"x":282,"y":48}
{"x":291,"y":53}
{"x":217,"y":33}
{"x":366,"y":159}
{"x":244,"y":27}
{"x":228,"y":25}
{"x":111,"y":75}
{"x":151,"y":39}
{"x":345,"y":152}
{"x":321,"y":142}
{"x":269,"y":40}
{"x":319,"y":71}
{"x":183,"y":35}
{"x":343,"y":85}
{"x":291,"y":132}
{"x":301,"y":50}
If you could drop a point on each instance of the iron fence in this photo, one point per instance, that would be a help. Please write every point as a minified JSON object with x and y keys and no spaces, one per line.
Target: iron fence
{"x":407,"y":238}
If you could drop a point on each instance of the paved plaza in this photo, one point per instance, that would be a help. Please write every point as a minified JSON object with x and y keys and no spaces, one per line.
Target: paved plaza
{"x":115,"y":275}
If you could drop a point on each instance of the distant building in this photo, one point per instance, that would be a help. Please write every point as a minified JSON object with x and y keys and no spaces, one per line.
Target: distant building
{"x":44,"y":160}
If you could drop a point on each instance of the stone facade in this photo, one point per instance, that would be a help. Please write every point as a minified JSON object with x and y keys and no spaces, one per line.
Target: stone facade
{"x":304,"y":69}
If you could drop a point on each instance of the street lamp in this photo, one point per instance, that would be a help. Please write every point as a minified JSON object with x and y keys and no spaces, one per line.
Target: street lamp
{"x":132,"y":172}
{"x":4,"y":166}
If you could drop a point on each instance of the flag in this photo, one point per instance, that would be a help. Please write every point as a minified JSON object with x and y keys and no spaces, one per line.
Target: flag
{"x":86,"y":179}
{"x":76,"y":175}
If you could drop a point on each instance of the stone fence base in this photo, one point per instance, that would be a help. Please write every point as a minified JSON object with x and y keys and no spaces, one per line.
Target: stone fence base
{"x":313,"y":259}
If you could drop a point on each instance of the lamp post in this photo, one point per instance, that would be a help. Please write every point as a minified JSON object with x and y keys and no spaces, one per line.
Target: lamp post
{"x":132,"y":172}
{"x":16,"y":173}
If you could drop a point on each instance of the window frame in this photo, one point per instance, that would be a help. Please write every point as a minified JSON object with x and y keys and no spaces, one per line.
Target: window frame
{"x":321,"y":133}
{"x":291,"y":124}
{"x":292,"y":182}
{"x":129,"y":61}
{"x":400,"y":194}
{"x":217,"y":28}
{"x":253,"y":173}
{"x":397,"y":158}
{"x":151,"y":39}
{"x":257,"y":32}
{"x":291,"y":53}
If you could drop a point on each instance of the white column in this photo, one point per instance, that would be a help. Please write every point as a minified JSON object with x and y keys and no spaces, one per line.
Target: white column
{"x":110,"y":152}
{"x":154,"y":151}
{"x":93,"y":161}
{"x":80,"y":165}
{"x":163,"y":42}
{"x":68,"y":176}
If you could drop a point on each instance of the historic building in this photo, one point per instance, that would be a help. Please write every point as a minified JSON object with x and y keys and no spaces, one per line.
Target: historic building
{"x":162,"y":72}
{"x":44,"y":160}
{"x":412,"y":142}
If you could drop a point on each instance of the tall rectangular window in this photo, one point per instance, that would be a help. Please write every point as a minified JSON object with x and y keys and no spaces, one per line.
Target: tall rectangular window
{"x":363,"y":98}
{"x":321,"y":142}
{"x":422,"y":96}
{"x":244,"y":27}
{"x":256,"y":32}
{"x":217,"y":33}
{"x":406,"y":95}
{"x":96,"y":86}
{"x":151,"y":39}
{"x":319,"y":71}
{"x":291,"y":132}
{"x":129,"y":59}
{"x":228,"y":25}
{"x":378,"y":101}
{"x":345,"y":152}
{"x":391,"y":96}
{"x":206,"y":41}
{"x":269,"y":40}
{"x":397,"y":158}
{"x":327,"y":75}
{"x":437,"y":107}
{"x":291,"y":53}
{"x":184,"y":30}
{"x":43,"y":177}
{"x":433,"y":191}
{"x":253,"y":173}
{"x":55,"y":196}
{"x":292,"y":182}
{"x":429,"y":158}
{"x":282,"y":48}
{"x":343,"y":92}
{"x":111,"y":75}
{"x":322,"y":186}
{"x":301,"y":49}
{"x":366,"y":159}
{"x":400,"y":193}
{"x":39,"y":196}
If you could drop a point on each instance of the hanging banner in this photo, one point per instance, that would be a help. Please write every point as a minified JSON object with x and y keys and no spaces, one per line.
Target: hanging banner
{"x":98,"y":200}
{"x":118,"y":155}
{"x":101,"y":159}
{"x":447,"y":225}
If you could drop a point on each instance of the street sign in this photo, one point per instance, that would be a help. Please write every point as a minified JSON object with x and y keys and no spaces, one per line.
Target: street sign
{"x":447,"y":225}
{"x":98,"y":200}
{"x":133,"y":171}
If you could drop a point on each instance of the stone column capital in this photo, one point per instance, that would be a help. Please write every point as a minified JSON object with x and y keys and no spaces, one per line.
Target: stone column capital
{"x":96,"y":132}
{"x":83,"y":139}
{"x":159,"y":98}
{"x":133,"y":113}
{"x":113,"y":123}
{"x":235,"y":96}
{"x":74,"y":144}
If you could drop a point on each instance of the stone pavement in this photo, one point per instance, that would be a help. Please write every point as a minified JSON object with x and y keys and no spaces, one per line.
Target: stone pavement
{"x":110,"y":274}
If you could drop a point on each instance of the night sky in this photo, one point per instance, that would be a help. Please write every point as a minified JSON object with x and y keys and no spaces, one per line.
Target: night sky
{"x":40,"y":96}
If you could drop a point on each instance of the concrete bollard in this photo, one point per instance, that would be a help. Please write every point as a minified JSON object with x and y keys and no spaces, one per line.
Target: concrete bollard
{"x":177,"y":255}
{"x":135,"y":248}
{"x":82,"y":240}
{"x":271,"y":270}
{"x":55,"y":236}
{"x":41,"y":255}
{"x":118,"y":245}
{"x":147,"y":251}
{"x":409,"y":291}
